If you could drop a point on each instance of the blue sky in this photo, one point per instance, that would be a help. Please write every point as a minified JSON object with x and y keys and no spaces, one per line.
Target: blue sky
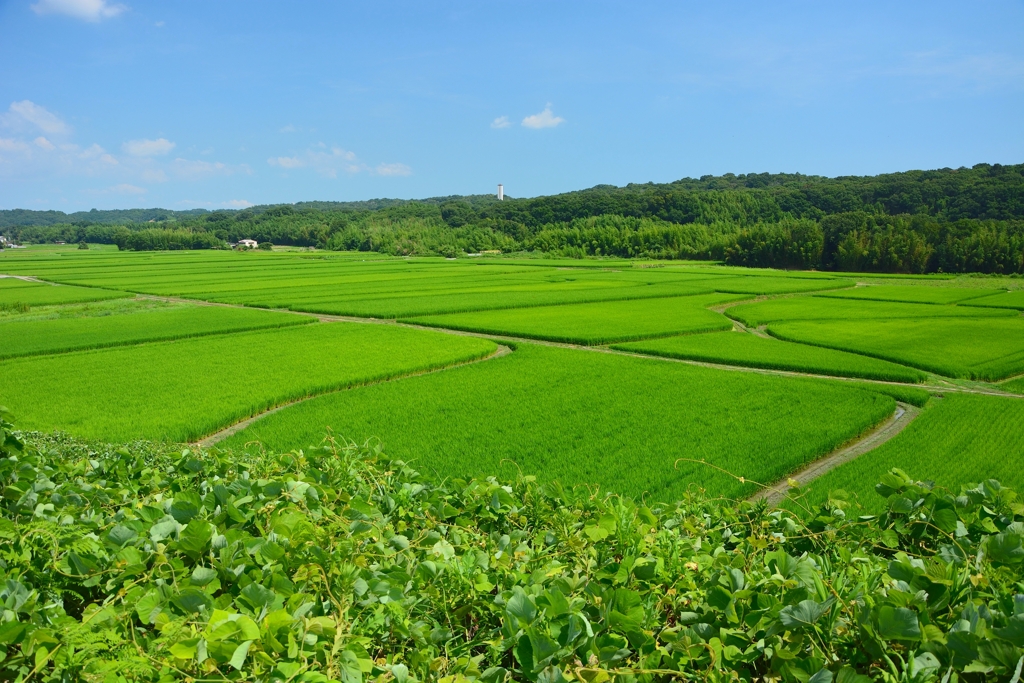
{"x":127,"y":103}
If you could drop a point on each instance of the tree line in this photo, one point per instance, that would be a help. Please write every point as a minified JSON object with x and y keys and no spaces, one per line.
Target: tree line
{"x":948,"y":220}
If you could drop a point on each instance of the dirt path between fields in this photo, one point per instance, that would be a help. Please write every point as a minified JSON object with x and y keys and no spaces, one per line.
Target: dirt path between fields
{"x":904,"y":415}
{"x":943,"y":388}
{"x":28,"y":278}
{"x":222,"y":434}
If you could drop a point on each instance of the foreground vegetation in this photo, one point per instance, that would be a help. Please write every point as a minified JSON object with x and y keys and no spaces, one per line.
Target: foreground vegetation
{"x":946,"y":220}
{"x":340,"y":564}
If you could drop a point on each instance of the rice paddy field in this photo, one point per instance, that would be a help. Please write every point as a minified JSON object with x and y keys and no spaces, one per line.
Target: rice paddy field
{"x":28,"y":335}
{"x":606,"y":383}
{"x":944,"y":445}
{"x":183,"y":390}
{"x":750,"y":350}
{"x":618,"y":422}
{"x":976,"y":348}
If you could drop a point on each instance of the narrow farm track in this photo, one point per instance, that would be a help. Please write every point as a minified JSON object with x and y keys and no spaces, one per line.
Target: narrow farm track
{"x":219,"y":436}
{"x":904,"y":415}
{"x":28,"y":278}
{"x":602,"y":349}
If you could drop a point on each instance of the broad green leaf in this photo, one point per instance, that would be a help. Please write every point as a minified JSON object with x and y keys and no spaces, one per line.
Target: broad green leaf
{"x":898,"y":623}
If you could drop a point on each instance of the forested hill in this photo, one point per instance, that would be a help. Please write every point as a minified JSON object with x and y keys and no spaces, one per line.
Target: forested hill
{"x":953,"y":220}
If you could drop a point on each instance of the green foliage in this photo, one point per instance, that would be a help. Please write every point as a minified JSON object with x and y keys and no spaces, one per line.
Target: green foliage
{"x":185,"y":389}
{"x":962,"y":220}
{"x":83,"y":245}
{"x":594,"y":323}
{"x":341,"y":564}
{"x":128,"y":326}
{"x":266,"y":246}
{"x":787,"y":244}
{"x":749,"y":350}
{"x":634,"y":426}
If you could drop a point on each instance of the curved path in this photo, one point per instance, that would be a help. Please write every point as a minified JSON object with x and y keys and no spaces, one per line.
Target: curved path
{"x":903,"y":416}
{"x":219,"y":436}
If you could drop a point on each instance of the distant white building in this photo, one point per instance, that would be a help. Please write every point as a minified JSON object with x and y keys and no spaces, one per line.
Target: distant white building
{"x":501,"y":192}
{"x":247,"y":244}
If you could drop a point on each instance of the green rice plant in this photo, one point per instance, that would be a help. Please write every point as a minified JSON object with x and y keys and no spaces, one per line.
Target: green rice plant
{"x":1015,"y":386}
{"x":595,"y":323}
{"x":959,"y":439}
{"x":975,"y":348}
{"x":584,"y":417}
{"x":748,"y":350}
{"x":761,"y":285}
{"x":922,"y":294}
{"x":45,"y":294}
{"x":185,"y":389}
{"x":1013,"y":299}
{"x":33,"y":337}
{"x":901,"y":392}
{"x":822,"y":308}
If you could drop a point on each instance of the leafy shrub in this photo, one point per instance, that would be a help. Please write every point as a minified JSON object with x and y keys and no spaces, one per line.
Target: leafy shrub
{"x":134,"y":563}
{"x":266,"y":246}
{"x":83,"y":245}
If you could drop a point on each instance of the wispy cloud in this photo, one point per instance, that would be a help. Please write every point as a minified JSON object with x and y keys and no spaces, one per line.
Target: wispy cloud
{"x":125,"y":188}
{"x":190,"y":169}
{"x":288,"y":129}
{"x":392,"y":170}
{"x":329,"y":161}
{"x":545,"y":119}
{"x":87,"y":10}
{"x":28,"y":114}
{"x":147,"y":148}
{"x":501,"y":122}
{"x":238,"y":203}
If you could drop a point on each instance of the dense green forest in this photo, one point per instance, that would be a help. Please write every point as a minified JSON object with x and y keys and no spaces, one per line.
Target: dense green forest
{"x":949,"y":220}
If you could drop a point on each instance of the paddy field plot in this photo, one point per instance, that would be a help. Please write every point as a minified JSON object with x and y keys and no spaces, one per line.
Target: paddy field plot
{"x":584,"y":417}
{"x":763,"y":285}
{"x":594,"y":323}
{"x":14,"y":291}
{"x":823,"y":308}
{"x":959,"y":439}
{"x":986,"y":349}
{"x":183,"y":390}
{"x":1013,"y":300}
{"x":127,"y":326}
{"x":749,"y":350}
{"x":920,"y":294}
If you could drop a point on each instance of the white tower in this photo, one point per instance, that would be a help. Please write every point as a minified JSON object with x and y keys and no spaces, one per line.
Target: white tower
{"x":501,"y":192}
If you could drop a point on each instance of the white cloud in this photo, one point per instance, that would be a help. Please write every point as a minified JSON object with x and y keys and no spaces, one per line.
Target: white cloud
{"x":125,"y":188}
{"x":154,"y":175}
{"x":289,"y":129}
{"x":28,"y":112}
{"x":89,"y":10}
{"x":44,"y":143}
{"x":286,"y":162}
{"x":392,"y":170}
{"x":325,"y":161}
{"x":12,"y":145}
{"x":94,"y":151}
{"x":147,"y":148}
{"x":501,"y":122}
{"x":545,"y":119}
{"x":238,"y":203}
{"x":196,"y":170}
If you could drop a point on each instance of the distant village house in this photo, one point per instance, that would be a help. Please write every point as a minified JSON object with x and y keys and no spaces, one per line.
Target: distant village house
{"x":247,"y":244}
